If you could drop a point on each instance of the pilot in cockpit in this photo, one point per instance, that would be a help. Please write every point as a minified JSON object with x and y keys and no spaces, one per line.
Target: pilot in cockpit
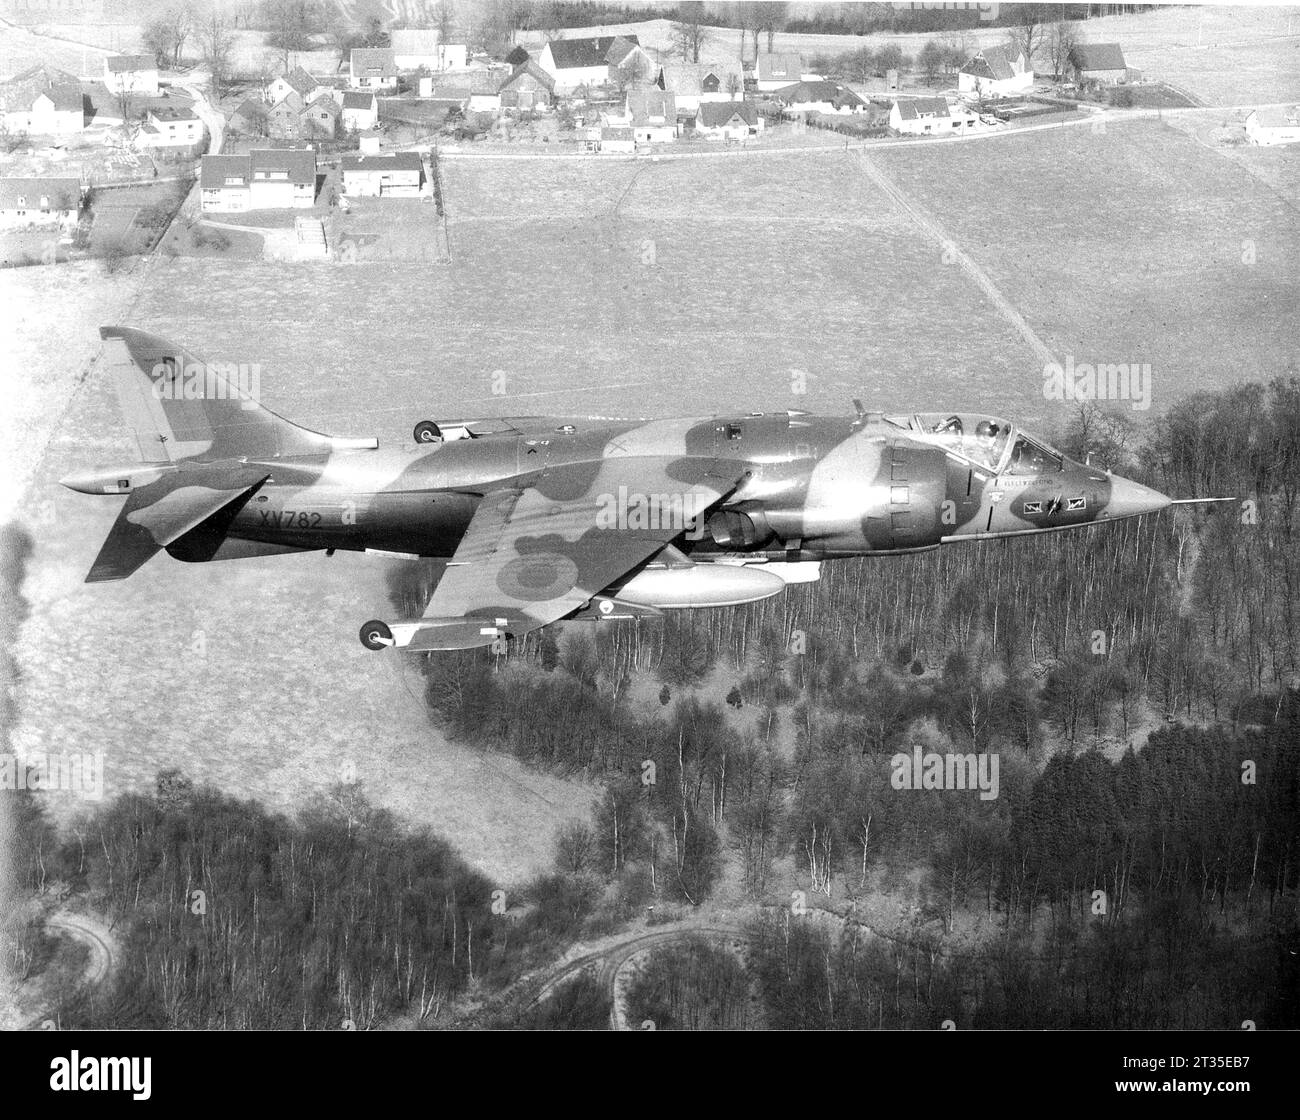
{"x":986,"y":442}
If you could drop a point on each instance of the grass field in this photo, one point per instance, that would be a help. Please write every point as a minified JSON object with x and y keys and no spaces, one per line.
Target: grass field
{"x":609,"y":288}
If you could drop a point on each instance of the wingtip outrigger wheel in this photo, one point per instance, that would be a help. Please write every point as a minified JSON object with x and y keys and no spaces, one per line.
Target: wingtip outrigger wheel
{"x":426,"y":431}
{"x":376,"y":635}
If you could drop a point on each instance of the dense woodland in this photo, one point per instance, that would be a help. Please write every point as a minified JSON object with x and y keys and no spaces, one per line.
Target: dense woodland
{"x":1153,"y":885}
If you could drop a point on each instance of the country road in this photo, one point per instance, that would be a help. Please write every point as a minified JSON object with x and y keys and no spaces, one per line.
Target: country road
{"x":91,"y":933}
{"x":608,"y":961}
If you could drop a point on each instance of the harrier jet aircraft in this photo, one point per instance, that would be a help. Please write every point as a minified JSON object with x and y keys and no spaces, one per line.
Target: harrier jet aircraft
{"x":548,"y":518}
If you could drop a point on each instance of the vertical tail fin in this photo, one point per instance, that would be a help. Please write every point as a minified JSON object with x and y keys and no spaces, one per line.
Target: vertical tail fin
{"x":182,"y":408}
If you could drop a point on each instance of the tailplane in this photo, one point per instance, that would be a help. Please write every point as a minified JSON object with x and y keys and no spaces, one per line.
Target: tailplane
{"x":180,"y":407}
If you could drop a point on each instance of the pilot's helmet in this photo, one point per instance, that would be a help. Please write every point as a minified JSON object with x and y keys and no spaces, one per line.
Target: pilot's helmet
{"x":985,"y":429}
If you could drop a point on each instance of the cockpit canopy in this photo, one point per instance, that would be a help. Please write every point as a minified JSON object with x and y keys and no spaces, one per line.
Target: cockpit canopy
{"x":989,"y":442}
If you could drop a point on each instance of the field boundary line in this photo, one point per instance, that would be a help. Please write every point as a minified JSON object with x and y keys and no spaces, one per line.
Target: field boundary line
{"x":949,"y":246}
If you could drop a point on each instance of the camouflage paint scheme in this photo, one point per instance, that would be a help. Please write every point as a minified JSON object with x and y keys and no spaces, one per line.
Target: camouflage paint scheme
{"x":544,"y":518}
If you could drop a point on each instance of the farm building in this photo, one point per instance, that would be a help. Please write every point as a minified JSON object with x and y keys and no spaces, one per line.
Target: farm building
{"x":819,"y":97}
{"x":43,"y":201}
{"x":43,"y":101}
{"x":772,"y":70}
{"x":372,"y":68}
{"x":263,"y":179}
{"x":529,"y":87}
{"x":920,"y":116}
{"x":393,"y":175}
{"x":414,"y":48}
{"x":592,"y":61}
{"x":131,"y":73}
{"x":1098,"y":62}
{"x":692,"y":83}
{"x":360,"y":110}
{"x":996,"y":72}
{"x":727,"y":120}
{"x":1267,"y":127}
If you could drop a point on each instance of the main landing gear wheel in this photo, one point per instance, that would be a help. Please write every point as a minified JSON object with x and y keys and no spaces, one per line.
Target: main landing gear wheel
{"x":376,"y":635}
{"x":426,"y":431}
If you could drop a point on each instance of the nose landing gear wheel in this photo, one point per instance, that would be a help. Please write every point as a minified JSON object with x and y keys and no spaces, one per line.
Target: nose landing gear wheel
{"x":376,"y":635}
{"x":426,"y":431}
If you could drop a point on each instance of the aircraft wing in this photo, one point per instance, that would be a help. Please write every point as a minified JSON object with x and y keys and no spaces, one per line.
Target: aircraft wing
{"x":533,"y":555}
{"x":163,"y":511}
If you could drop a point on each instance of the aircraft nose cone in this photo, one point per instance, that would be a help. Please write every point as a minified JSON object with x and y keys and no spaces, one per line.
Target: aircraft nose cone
{"x":1128,"y":498}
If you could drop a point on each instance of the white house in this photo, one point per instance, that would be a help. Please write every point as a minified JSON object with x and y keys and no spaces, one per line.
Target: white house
{"x":414,"y":48}
{"x":392,"y":175}
{"x":131,"y":73}
{"x":996,"y":72}
{"x":170,"y":128}
{"x":727,"y":120}
{"x":296,"y":81}
{"x":263,"y":179}
{"x":652,"y":115}
{"x":1274,"y":126}
{"x":920,"y":116}
{"x":45,"y":201}
{"x":360,"y":110}
{"x":42,"y":101}
{"x":372,"y":68}
{"x":594,"y":61}
{"x":772,"y":70}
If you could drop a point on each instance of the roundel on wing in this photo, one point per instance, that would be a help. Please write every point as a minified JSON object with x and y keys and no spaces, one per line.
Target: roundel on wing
{"x":538,"y":576}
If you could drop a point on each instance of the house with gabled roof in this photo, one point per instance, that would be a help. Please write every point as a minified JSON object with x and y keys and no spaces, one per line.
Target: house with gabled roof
{"x":320,"y":117}
{"x":1098,"y":62}
{"x":594,"y":60}
{"x":652,"y":115}
{"x":131,"y":73}
{"x":527,"y":87}
{"x":298,"y":82}
{"x":727,"y":120}
{"x":774,"y":69}
{"x":996,"y":72}
{"x":819,"y":97}
{"x":43,"y":101}
{"x":284,"y":118}
{"x":249,"y":119}
{"x":360,"y":110}
{"x":690,"y":83}
{"x":920,"y":116}
{"x":1273,"y":125}
{"x":372,"y":68}
{"x":39,"y":201}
